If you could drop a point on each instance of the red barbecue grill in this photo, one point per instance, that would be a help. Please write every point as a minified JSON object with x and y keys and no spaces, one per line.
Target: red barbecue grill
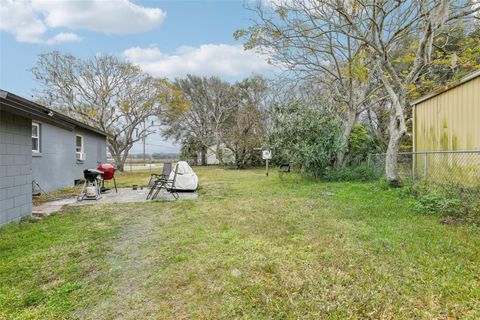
{"x":108,"y":174}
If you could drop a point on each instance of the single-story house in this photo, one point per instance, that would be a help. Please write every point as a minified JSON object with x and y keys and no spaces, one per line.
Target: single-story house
{"x":446,"y":123}
{"x":211,"y":155}
{"x":41,"y":147}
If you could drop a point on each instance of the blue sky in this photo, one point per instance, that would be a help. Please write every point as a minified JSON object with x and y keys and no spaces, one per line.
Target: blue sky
{"x":165,"y":38}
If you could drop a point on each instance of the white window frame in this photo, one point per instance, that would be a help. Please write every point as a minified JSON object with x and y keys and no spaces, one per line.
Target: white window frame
{"x":83,"y":143}
{"x":38,"y":137}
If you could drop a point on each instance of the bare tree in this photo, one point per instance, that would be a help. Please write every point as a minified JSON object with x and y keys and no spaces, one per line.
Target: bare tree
{"x":378,"y":28}
{"x":224,"y":102}
{"x":210,"y":104}
{"x":301,"y":39}
{"x":114,"y":96}
{"x":383,"y":26}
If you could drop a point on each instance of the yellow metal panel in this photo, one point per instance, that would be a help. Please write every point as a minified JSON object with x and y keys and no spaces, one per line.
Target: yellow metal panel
{"x":449,"y":121}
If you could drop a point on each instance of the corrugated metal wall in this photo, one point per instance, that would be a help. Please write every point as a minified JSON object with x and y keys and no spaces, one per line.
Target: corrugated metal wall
{"x":449,"y":121}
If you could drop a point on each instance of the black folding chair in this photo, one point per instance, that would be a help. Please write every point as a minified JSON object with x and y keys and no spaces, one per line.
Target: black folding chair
{"x":169,"y":185}
{"x":156,"y":179}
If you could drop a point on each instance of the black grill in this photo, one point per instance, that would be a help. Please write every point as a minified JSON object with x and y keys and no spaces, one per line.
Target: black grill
{"x":91,"y":174}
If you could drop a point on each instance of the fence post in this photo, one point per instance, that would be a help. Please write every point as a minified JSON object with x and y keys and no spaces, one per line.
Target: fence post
{"x":413,"y":166}
{"x":425,"y":166}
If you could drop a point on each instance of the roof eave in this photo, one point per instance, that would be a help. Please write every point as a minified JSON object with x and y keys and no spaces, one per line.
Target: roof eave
{"x":43,"y":112}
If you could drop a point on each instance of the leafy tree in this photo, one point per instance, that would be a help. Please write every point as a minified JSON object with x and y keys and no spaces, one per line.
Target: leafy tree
{"x":109,"y":94}
{"x":298,"y":36}
{"x":456,"y":53}
{"x":190,"y":150}
{"x":385,"y":26}
{"x":246,"y":129}
{"x":302,"y":33}
{"x":306,"y":137}
{"x":360,"y":144}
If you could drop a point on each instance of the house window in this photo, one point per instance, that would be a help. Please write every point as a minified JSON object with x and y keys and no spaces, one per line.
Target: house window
{"x":79,"y":149}
{"x":35,"y":137}
{"x":79,"y":144}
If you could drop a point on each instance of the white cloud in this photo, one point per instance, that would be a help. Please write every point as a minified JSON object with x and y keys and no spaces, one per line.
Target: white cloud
{"x":20,"y":19}
{"x":208,"y":59}
{"x":111,"y":17}
{"x":29,"y":20}
{"x":64,"y":37}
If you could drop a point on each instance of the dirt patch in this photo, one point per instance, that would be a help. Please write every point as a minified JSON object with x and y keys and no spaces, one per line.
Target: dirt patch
{"x":129,"y":266}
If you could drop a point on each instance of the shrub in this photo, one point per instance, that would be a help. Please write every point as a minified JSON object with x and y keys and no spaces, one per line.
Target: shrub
{"x":451,"y":200}
{"x":436,"y":204}
{"x":306,"y":137}
{"x":360,"y":144}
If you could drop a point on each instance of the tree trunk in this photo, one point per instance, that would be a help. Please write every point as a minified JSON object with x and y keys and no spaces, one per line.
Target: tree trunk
{"x":398,"y":131}
{"x":119,"y":157}
{"x":116,"y":154}
{"x":238,"y":157}
{"x":397,"y":128}
{"x":119,"y":165}
{"x":381,"y":139}
{"x":124,"y":157}
{"x":219,"y":154}
{"x":242,"y":159}
{"x":218,"y":150}
{"x":352,"y":119}
{"x":203,"y":155}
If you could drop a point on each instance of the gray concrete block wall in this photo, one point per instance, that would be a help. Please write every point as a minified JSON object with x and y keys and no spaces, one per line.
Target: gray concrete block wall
{"x":56,"y":165}
{"x":95,"y":146}
{"x":52,"y":167}
{"x":15,"y":167}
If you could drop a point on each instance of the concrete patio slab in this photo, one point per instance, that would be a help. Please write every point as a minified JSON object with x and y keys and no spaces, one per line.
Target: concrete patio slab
{"x":47,"y":208}
{"x":128,"y":195}
{"x":124,"y":195}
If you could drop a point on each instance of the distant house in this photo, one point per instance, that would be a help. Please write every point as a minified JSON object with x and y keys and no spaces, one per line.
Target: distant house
{"x":43,"y":146}
{"x":211,"y":156}
{"x":448,"y":120}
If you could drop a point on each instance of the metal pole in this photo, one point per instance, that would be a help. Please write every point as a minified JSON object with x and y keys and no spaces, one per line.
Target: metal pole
{"x":144,"y":158}
{"x":266,"y":167}
{"x":144,"y":139}
{"x":414,"y":165}
{"x":425,"y":166}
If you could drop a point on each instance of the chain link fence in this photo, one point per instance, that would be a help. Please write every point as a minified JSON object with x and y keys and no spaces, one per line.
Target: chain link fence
{"x":444,"y":167}
{"x":138,"y":163}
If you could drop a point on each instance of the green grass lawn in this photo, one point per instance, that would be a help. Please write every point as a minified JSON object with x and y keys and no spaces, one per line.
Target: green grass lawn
{"x":250,"y":247}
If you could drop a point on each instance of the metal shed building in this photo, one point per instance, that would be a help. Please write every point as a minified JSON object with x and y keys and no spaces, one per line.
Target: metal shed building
{"x":446,"y":128}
